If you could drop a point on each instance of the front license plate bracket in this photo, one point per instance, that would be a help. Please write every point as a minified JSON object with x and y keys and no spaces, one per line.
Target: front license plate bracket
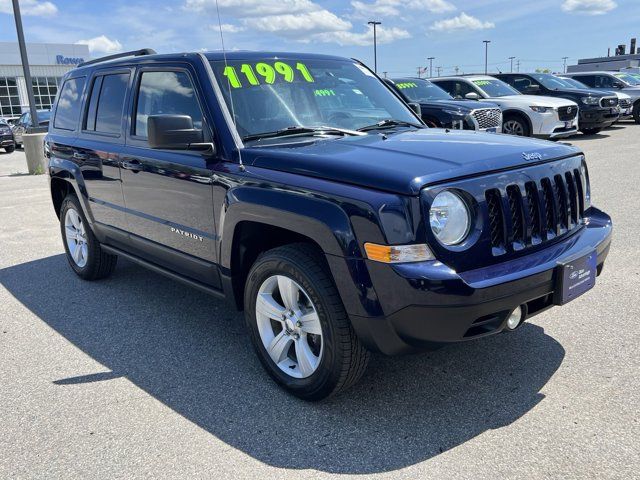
{"x":575,"y":277}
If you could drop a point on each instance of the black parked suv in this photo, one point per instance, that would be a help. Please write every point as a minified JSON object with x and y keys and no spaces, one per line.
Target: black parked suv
{"x":439,"y":109}
{"x":598,"y":110}
{"x":6,"y":137}
{"x":337,"y":230}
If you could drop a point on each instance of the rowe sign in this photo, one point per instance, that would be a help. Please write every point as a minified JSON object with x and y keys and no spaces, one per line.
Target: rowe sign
{"x":62,"y":60}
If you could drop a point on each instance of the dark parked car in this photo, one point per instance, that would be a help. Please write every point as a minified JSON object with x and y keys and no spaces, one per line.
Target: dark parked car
{"x":337,"y":231}
{"x":441,"y":110}
{"x":598,"y":109}
{"x":6,"y":137}
{"x":625,"y":102}
{"x":24,"y":123}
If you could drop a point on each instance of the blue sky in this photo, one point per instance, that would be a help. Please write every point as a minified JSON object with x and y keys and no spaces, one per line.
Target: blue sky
{"x":538,"y":33}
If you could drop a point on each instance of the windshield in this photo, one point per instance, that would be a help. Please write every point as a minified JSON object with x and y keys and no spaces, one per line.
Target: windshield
{"x":269,"y":95}
{"x":630,"y":79}
{"x":575,"y":83}
{"x":550,"y":81}
{"x":418,"y":90}
{"x":495,"y":88}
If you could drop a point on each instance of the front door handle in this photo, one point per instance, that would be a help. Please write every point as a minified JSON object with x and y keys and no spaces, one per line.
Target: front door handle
{"x":134,"y":165}
{"x":80,"y":156}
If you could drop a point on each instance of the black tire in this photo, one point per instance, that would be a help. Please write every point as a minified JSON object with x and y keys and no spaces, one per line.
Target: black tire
{"x":590,"y":131}
{"x":9,"y":149}
{"x":99,"y":264}
{"x":636,"y":112}
{"x":519,"y":124}
{"x":344,"y":359}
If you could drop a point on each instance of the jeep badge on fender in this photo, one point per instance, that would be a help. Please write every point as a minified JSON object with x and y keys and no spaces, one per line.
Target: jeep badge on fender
{"x":306,"y":192}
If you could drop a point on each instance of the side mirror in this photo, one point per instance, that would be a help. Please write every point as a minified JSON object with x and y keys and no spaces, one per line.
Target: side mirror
{"x":532,"y":89}
{"x":175,"y":132}
{"x":472,"y":96}
{"x":417,"y":109}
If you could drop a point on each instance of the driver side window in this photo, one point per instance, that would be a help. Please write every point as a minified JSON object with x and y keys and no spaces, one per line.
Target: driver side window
{"x":460,"y":89}
{"x":604,"y":81}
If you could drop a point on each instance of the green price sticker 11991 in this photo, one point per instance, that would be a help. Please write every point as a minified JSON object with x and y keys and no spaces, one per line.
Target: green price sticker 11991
{"x":256,"y":74}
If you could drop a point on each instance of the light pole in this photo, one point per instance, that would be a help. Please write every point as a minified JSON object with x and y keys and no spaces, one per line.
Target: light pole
{"x":375,"y":46}
{"x":564,"y":65}
{"x":25,"y":65}
{"x":512,"y":59}
{"x":438,"y":69}
{"x":486,"y":54}
{"x":431,"y":59}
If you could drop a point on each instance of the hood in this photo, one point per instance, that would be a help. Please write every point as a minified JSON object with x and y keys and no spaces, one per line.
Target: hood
{"x":529,"y":100}
{"x":584,"y":92}
{"x":404,"y":162}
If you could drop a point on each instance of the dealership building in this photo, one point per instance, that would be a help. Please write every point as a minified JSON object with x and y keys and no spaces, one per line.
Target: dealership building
{"x":48,"y":62}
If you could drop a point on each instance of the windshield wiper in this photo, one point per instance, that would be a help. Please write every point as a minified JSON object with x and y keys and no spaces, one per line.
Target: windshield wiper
{"x":300,"y":130}
{"x":388,"y":123}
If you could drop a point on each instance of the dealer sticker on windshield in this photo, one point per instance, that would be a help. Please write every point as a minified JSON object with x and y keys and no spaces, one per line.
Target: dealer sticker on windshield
{"x":575,"y":277}
{"x":252,"y":74}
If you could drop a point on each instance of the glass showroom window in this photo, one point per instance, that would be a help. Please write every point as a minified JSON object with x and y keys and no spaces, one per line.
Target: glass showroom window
{"x":45,"y":90}
{"x":9,"y":99}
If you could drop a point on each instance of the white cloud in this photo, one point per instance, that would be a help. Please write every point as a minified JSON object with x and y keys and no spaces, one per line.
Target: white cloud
{"x":589,"y":7}
{"x":461,"y":22}
{"x":303,"y":24}
{"x":253,"y":8}
{"x":390,"y":8}
{"x":34,"y":8}
{"x":228,"y":28}
{"x":383,"y":35}
{"x":101,"y":44}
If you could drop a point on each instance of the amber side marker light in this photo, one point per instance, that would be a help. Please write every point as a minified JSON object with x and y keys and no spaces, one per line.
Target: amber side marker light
{"x":398,"y":253}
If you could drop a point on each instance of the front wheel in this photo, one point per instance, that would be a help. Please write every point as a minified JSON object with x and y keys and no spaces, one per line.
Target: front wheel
{"x":84,"y":253}
{"x":514,"y":125}
{"x":590,"y":131}
{"x":298,"y":324}
{"x":9,"y":149}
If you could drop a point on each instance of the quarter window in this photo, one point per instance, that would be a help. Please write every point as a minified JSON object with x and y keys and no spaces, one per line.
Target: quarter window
{"x":106,"y":104}
{"x":165,"y":92}
{"x":68,"y":109}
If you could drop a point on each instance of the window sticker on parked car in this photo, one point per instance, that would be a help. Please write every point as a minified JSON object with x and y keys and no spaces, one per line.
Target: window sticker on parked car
{"x":404,"y":85}
{"x":481,"y":83}
{"x":323,"y":92}
{"x":262,"y":72}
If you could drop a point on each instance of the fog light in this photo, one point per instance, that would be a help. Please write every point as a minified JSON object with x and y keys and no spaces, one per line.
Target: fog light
{"x":515,"y":318}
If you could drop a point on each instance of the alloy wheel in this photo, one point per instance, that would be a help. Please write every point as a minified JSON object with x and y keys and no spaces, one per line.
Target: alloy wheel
{"x":513,"y":127}
{"x":289,"y":326}
{"x":76,"y":238}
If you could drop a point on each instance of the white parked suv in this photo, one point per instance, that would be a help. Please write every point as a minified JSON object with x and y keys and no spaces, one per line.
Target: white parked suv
{"x":525,"y":115}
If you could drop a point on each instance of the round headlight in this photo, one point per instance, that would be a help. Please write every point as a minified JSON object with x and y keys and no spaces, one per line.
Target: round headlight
{"x":450,"y":218}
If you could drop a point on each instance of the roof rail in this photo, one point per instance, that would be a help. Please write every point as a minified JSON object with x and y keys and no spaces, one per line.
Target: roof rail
{"x":132,"y":53}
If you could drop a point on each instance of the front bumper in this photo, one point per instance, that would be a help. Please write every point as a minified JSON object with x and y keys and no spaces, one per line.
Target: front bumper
{"x":427,"y":304}
{"x":7,"y":141}
{"x":549,"y":126}
{"x":599,"y":117}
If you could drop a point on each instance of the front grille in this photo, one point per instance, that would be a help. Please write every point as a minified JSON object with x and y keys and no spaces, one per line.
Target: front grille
{"x":546,"y":208}
{"x":487,"y":117}
{"x":568,"y":113}
{"x":624,"y":103}
{"x":609,"y":102}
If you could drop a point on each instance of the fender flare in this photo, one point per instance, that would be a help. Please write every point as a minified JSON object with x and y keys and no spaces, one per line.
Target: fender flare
{"x":71,"y":173}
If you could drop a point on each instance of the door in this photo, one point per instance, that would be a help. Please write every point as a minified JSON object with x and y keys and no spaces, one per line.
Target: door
{"x":168,"y":193}
{"x":98,"y":148}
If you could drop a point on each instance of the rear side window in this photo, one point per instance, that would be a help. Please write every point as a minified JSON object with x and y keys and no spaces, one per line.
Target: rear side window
{"x":106,"y":105}
{"x":165,"y":92}
{"x":588,"y":80}
{"x":68,"y":108}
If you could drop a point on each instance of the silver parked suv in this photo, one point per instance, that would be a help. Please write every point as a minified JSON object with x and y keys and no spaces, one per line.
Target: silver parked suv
{"x":629,"y":84}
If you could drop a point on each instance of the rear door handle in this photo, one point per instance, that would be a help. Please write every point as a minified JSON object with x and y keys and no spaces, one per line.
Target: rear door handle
{"x":134,"y":165}
{"x":80,"y":156}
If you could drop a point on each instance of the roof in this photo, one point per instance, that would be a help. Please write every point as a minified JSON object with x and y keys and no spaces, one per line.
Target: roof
{"x":464,"y":77}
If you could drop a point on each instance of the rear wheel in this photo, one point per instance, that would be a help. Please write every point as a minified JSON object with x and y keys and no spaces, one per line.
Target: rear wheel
{"x":84,"y":253}
{"x":515,"y":125}
{"x":9,"y":149}
{"x":590,"y":131}
{"x":298,"y":324}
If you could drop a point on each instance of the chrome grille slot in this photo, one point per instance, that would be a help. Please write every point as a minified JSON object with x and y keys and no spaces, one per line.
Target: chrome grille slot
{"x":517,"y":217}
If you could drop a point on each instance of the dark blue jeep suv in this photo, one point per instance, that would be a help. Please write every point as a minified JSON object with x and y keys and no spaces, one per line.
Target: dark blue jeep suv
{"x":304,"y":190}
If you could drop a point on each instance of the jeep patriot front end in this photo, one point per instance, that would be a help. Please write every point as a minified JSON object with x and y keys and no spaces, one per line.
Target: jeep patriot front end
{"x":304,"y":190}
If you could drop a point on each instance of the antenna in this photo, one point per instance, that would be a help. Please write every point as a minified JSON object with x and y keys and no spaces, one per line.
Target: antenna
{"x":224,"y":55}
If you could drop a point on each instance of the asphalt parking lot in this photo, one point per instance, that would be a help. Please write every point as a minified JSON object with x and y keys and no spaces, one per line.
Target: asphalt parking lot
{"x":137,"y":376}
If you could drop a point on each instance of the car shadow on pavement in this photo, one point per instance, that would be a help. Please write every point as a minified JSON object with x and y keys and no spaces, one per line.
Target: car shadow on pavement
{"x":190,"y":351}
